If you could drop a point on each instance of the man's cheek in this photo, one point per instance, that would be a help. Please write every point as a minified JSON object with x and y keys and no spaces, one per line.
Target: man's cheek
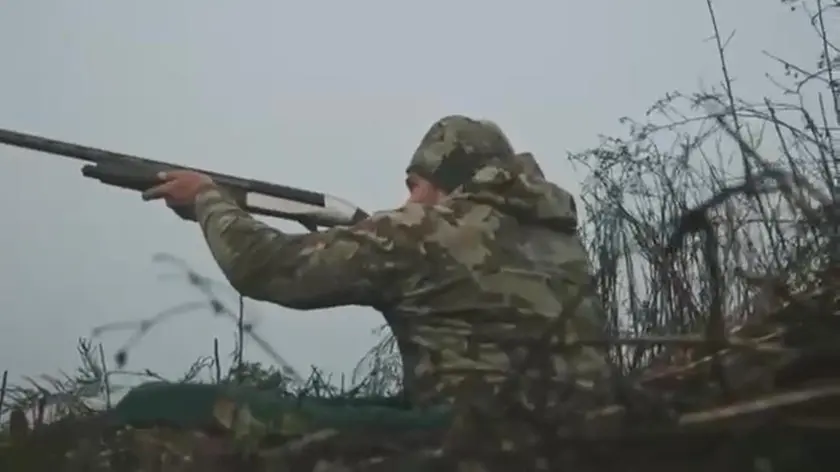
{"x":419,"y":194}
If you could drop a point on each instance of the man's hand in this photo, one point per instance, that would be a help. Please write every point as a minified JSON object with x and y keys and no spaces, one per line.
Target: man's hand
{"x":179,"y":188}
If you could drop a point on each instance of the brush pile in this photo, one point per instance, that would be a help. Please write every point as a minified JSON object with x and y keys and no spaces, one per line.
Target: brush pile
{"x":764,"y":397}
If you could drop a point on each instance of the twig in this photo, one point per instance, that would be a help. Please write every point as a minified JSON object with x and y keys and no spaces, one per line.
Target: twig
{"x":205,"y":286}
{"x":105,"y":382}
{"x":3,"y":389}
{"x":727,"y":80}
{"x":240,"y":331}
{"x":216,"y":360}
{"x":39,"y":413}
{"x":833,"y":86}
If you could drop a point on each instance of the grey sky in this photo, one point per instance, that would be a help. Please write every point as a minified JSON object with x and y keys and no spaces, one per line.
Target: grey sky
{"x":332,"y":96}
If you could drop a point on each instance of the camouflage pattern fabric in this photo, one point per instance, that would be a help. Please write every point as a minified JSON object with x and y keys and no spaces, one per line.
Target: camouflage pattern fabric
{"x":486,"y":292}
{"x":529,"y":165}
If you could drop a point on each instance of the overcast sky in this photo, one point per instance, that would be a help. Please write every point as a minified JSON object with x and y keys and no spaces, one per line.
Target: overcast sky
{"x":332,"y":96}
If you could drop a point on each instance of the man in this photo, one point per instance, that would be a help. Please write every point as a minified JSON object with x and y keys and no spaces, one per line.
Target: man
{"x":480,"y":275}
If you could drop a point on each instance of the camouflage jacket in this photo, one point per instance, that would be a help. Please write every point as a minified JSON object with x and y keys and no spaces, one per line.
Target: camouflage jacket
{"x":468,"y":286}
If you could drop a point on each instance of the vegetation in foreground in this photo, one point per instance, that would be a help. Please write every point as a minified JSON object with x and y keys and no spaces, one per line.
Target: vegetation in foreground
{"x":764,"y":169}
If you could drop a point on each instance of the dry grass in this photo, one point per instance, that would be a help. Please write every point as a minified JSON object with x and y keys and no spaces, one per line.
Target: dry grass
{"x":713,"y":231}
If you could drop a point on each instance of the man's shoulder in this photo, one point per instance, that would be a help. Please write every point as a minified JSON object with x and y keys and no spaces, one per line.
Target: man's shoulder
{"x":411,"y":215}
{"x":415,"y":220}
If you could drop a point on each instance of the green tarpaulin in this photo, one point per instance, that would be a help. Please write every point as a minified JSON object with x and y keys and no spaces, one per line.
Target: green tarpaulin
{"x":198,"y":406}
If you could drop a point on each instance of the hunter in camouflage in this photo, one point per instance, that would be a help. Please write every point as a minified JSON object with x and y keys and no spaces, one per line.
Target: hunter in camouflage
{"x":480,"y":275}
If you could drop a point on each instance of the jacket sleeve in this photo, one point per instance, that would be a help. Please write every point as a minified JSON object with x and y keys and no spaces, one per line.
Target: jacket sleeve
{"x":356,"y":265}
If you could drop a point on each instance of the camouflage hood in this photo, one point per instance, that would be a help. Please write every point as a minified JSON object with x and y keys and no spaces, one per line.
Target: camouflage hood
{"x":473,"y":160}
{"x":508,"y":187}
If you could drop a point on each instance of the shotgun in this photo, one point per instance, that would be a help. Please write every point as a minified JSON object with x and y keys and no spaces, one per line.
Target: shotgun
{"x":311,"y":209}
